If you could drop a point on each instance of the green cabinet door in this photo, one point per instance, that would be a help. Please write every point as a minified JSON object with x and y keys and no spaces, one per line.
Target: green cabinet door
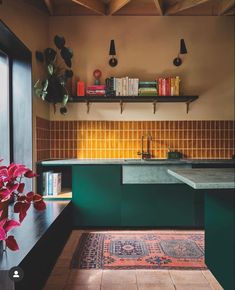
{"x":165,"y":205}
{"x":96,"y":195}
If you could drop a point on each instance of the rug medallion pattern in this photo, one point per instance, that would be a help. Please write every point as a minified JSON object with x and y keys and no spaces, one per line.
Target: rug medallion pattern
{"x":140,"y":250}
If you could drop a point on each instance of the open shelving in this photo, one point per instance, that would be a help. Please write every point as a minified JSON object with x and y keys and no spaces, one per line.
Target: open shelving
{"x":134,"y":99}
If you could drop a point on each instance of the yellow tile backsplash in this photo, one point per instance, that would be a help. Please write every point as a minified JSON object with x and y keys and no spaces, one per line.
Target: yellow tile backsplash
{"x":122,"y":139}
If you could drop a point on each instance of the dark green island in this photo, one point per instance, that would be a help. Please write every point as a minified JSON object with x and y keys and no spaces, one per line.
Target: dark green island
{"x":217,"y":186}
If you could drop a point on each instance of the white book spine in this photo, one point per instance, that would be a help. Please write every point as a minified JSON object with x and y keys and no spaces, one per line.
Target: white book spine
{"x":136,"y":87}
{"x":127,"y":86}
{"x":50,"y":184}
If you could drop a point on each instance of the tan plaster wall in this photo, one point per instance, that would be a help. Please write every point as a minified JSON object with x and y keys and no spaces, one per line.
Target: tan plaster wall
{"x":145,"y":48}
{"x":31,"y":27}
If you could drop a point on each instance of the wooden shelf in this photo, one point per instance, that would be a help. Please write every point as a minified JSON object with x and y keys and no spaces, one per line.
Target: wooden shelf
{"x":134,"y":99}
{"x":65,"y":194}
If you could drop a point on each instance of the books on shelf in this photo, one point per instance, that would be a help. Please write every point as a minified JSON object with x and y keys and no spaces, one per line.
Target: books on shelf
{"x":147,"y":88}
{"x":51,"y":183}
{"x":126,"y":86}
{"x":95,"y":90}
{"x":169,"y":86}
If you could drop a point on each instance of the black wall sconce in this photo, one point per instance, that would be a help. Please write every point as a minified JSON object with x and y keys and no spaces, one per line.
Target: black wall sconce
{"x":183,"y":50}
{"x":112,"y":52}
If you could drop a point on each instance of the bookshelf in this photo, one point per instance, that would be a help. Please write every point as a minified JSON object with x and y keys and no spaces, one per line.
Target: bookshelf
{"x":66,"y":193}
{"x":134,"y":99}
{"x":66,"y":182}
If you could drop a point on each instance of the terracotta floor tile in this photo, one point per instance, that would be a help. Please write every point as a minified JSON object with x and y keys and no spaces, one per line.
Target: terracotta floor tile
{"x":155,"y":287}
{"x":91,"y":277}
{"x":119,"y":287}
{"x":153,"y":277}
{"x":194,"y":287}
{"x":187,"y":277}
{"x":82,"y":287}
{"x":119,"y":277}
{"x":212,"y":280}
{"x":57,"y":280}
{"x":62,"y":271}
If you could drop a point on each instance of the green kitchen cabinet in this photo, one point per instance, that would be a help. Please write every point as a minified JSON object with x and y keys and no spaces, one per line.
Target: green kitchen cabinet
{"x":96,"y":195}
{"x":162,"y":205}
{"x":101,"y":200}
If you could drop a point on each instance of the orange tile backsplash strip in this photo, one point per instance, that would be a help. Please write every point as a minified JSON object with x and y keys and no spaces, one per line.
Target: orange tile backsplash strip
{"x":122,"y":139}
{"x":43,"y":138}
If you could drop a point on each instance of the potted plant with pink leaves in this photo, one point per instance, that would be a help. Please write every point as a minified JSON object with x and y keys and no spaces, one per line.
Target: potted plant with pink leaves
{"x":12,"y":191}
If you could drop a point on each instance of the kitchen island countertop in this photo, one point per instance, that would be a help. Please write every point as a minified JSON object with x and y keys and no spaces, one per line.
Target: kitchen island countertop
{"x":206,"y":178}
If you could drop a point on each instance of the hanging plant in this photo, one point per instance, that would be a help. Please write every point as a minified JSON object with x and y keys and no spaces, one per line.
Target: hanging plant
{"x":53,"y":87}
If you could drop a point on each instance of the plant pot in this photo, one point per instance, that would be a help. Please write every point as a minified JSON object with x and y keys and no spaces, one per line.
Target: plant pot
{"x":55,"y":91}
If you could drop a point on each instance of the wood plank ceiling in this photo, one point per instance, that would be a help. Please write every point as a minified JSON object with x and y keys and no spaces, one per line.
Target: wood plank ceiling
{"x":136,"y":7}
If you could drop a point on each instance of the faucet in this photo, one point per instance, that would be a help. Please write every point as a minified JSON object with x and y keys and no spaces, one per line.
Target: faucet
{"x":145,"y":154}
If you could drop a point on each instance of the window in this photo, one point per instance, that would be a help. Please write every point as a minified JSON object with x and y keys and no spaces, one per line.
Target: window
{"x":5,"y":110}
{"x":15,"y":100}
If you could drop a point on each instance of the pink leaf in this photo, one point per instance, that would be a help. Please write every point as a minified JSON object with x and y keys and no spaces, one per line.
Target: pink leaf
{"x":37,"y":197}
{"x":12,"y":187}
{"x":30,"y":196}
{"x":22,"y":215}
{"x":2,"y":222}
{"x":3,"y":173}
{"x":11,"y":243}
{"x":30,"y":174}
{"x":2,"y":234}
{"x":21,"y":187}
{"x":20,"y":170}
{"x":23,"y":211}
{"x":39,"y":205}
{"x":21,"y":198}
{"x":5,"y":194}
{"x":10,"y":224}
{"x":17,"y":207}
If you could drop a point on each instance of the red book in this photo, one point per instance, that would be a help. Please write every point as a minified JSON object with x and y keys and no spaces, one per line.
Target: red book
{"x":96,"y":87}
{"x":160,"y":86}
{"x":80,"y":89}
{"x":168,"y":86}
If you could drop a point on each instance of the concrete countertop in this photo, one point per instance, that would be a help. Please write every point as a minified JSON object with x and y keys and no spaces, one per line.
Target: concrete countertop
{"x":134,"y":161}
{"x":206,"y":178}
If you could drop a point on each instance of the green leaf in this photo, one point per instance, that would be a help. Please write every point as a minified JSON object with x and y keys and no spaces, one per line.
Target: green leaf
{"x":65,"y":100}
{"x":36,"y":84}
{"x":50,"y":69}
{"x":43,"y":95}
{"x":38,"y":92}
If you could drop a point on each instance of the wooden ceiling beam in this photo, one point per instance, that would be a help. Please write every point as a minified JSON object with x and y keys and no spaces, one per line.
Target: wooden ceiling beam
{"x":183,"y":5}
{"x":225,"y":6}
{"x":116,"y":5}
{"x":94,"y":5}
{"x":49,"y":6}
{"x":159,"y":7}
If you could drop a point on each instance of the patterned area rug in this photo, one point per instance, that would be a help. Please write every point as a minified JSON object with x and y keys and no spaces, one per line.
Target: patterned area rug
{"x":140,"y":250}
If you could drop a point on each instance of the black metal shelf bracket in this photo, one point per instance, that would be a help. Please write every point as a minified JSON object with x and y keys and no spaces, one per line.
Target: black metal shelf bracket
{"x":87,"y":107}
{"x":187,"y":106}
{"x":154,"y":106}
{"x":121,"y":106}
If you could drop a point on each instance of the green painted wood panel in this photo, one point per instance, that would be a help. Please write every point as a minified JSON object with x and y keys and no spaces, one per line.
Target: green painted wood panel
{"x":219,"y":229}
{"x":97,"y":195}
{"x":100,"y":199}
{"x":158,"y":205}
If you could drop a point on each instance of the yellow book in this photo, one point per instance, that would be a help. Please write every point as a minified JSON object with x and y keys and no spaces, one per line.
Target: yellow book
{"x":177,"y":86}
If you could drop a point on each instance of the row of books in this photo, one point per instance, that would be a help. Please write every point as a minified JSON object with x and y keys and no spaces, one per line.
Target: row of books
{"x":127,"y":86}
{"x":147,"y":89}
{"x":169,"y":86}
{"x":51,"y":183}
